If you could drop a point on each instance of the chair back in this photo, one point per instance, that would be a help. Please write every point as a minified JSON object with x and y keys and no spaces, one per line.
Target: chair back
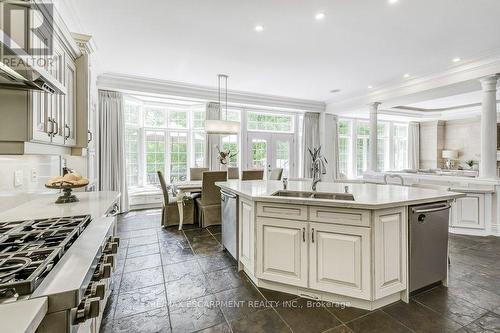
{"x":164,"y":187}
{"x":210,"y":193}
{"x":276,"y":174}
{"x":196,"y":173}
{"x":393,"y":179}
{"x":252,"y":175}
{"x":233,"y":173}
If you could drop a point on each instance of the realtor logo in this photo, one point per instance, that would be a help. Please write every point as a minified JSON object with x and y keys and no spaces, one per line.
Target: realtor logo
{"x":27,"y":27}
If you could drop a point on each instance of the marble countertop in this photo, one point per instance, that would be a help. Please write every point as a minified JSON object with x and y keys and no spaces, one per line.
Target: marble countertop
{"x":23,"y":316}
{"x":366,"y":196}
{"x":95,"y":204}
{"x":438,"y":177}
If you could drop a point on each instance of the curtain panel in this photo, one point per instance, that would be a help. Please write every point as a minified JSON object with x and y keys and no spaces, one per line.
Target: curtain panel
{"x":212,"y":113}
{"x":310,"y":139}
{"x":413,"y":145}
{"x":112,"y":165}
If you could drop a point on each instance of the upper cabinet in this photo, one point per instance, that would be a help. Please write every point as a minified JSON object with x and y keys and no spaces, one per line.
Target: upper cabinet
{"x":39,"y":122}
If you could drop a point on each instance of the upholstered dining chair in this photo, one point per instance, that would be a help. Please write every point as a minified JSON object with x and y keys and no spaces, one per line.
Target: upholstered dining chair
{"x":208,"y":206}
{"x":252,"y":175}
{"x":170,"y":211}
{"x":233,"y":173}
{"x":196,"y":173}
{"x":276,"y":174}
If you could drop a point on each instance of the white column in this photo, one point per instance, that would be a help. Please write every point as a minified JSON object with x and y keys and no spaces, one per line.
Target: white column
{"x":488,"y":162}
{"x":372,"y":153}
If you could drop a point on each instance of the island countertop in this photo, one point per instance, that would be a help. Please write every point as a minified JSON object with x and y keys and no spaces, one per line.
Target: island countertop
{"x":366,"y":196}
{"x":91,"y":203}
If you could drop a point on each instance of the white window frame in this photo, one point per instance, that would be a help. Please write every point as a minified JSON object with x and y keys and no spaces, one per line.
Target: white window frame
{"x":352,"y":161}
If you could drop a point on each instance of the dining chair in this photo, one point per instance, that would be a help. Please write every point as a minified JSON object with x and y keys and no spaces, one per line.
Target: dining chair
{"x":233,"y":173}
{"x":196,"y":173}
{"x":209,"y":206}
{"x":276,"y":174}
{"x":393,"y":179}
{"x":170,"y":211}
{"x":252,"y":175}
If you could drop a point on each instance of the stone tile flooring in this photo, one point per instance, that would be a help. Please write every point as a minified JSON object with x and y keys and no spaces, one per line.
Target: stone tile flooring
{"x":182,"y":281}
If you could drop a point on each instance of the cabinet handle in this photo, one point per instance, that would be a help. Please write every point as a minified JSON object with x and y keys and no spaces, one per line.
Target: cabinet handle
{"x":50,"y":132}
{"x":304,"y":234}
{"x":91,"y":136}
{"x":56,"y":126}
{"x":66,"y":127}
{"x":312,"y":235}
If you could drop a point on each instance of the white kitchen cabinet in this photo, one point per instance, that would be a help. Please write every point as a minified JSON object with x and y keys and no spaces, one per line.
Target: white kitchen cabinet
{"x":390,"y":251}
{"x":246,"y":234}
{"x":340,"y":259}
{"x":69,"y":129}
{"x":282,"y":251}
{"x":468,"y":212}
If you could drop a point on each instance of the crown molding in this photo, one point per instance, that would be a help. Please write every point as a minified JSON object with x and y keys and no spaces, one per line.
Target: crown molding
{"x":136,"y":84}
{"x":457,"y":79}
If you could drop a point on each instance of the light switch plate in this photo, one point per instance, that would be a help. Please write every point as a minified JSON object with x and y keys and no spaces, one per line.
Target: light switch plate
{"x":18,"y":178}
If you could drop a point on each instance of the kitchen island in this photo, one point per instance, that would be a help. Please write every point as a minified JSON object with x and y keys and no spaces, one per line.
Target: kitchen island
{"x":344,"y":243}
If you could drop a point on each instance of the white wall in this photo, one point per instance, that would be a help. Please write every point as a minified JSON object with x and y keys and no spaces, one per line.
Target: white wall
{"x":46,"y":167}
{"x":464,"y":135}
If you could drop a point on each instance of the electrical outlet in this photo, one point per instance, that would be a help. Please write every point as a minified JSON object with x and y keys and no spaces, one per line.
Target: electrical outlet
{"x":34,"y":175}
{"x":18,"y":178}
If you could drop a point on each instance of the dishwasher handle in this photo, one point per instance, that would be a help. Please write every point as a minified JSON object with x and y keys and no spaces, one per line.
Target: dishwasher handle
{"x":227,"y":194}
{"x":430,"y":210}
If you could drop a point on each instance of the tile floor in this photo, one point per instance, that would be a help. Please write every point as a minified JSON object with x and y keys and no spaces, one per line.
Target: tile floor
{"x":181,"y":281}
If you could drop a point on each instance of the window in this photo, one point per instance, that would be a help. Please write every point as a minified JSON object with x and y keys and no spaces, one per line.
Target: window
{"x":162,"y":137}
{"x":400,"y":146}
{"x":269,"y":122}
{"x":383,"y":146}
{"x":178,"y":156}
{"x":230,"y":142}
{"x":354,"y":143}
{"x":362,"y":146}
{"x":155,"y":155}
{"x":344,"y":130}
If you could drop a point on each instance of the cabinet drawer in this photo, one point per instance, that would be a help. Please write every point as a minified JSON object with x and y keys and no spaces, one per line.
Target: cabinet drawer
{"x":360,"y":218}
{"x":283,"y":211}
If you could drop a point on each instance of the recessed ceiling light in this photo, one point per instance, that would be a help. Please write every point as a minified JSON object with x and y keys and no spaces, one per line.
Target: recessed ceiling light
{"x":456,"y":59}
{"x":333,"y":91}
{"x":259,"y":28}
{"x":392,"y":2}
{"x":319,"y":16}
{"x":370,"y":87}
{"x":407,"y":75}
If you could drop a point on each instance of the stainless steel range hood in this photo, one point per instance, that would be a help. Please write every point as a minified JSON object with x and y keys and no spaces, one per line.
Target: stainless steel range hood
{"x":19,"y":70}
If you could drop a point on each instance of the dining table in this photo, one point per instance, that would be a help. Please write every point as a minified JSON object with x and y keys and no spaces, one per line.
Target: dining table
{"x":181,"y":190}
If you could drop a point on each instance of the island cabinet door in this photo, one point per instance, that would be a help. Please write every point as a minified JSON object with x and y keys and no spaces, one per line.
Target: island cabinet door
{"x":246,"y":230}
{"x":468,"y":212}
{"x":340,"y":260}
{"x":390,"y":251}
{"x":282,"y":251}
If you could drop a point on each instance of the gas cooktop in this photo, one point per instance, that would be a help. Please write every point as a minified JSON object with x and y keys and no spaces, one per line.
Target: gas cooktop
{"x":30,"y":249}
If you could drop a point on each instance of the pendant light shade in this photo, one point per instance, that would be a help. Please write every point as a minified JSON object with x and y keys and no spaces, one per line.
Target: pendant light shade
{"x":219,"y":126}
{"x":222,"y":127}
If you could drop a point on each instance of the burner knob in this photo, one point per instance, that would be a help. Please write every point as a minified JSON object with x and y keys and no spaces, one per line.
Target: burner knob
{"x":89,"y":308}
{"x":110,"y":259}
{"x":98,"y":289}
{"x":111,"y":248}
{"x":92,"y":307}
{"x":113,"y":239}
{"x":105,"y":271}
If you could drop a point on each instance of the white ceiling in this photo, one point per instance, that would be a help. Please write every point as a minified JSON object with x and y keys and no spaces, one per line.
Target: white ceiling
{"x":359,"y":43}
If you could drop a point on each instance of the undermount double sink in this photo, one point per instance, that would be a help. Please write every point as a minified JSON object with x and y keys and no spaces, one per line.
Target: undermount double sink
{"x":314,"y":195}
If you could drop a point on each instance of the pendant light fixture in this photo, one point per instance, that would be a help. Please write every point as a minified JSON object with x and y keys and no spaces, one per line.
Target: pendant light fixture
{"x":220,"y":126}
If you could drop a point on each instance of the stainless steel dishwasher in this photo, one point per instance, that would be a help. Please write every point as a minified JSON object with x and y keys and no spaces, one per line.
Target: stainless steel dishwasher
{"x":229,"y":209}
{"x":428,"y":244}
